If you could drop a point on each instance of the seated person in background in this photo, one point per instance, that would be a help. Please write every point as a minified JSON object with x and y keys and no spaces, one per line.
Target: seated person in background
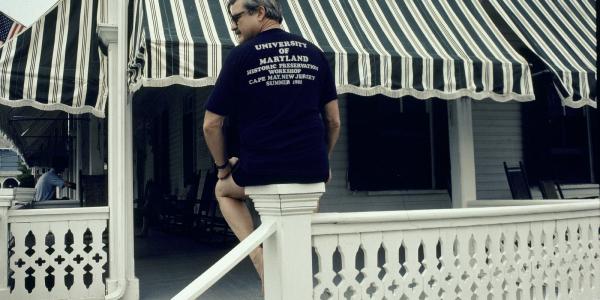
{"x":46,"y":185}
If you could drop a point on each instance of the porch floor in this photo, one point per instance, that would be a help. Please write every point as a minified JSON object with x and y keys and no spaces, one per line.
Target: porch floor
{"x":166,"y":263}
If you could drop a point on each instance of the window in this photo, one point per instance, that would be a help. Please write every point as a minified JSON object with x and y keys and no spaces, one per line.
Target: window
{"x":558,"y":141}
{"x":397,"y":144}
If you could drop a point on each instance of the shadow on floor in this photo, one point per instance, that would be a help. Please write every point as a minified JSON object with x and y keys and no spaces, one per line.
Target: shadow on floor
{"x":166,"y":263}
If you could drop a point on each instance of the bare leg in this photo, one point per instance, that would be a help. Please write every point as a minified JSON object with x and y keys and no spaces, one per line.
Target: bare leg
{"x":230,"y":197}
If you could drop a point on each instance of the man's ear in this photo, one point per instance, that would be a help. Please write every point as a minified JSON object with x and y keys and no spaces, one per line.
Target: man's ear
{"x":262,"y":13}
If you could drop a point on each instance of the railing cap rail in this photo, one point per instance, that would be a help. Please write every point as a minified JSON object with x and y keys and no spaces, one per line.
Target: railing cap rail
{"x":437,"y":214}
{"x":58,"y":214}
{"x":284,"y":189}
{"x":522,"y":202}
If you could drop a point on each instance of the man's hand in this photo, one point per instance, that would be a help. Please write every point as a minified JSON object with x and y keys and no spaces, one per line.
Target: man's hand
{"x":224,"y":173}
{"x":70,"y":185}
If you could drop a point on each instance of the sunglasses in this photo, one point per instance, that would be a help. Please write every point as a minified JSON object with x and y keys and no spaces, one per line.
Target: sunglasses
{"x":235,"y":18}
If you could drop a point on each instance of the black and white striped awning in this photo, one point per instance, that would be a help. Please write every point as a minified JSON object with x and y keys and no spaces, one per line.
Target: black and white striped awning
{"x":56,"y":63}
{"x":446,"y":49}
{"x":563,"y":34}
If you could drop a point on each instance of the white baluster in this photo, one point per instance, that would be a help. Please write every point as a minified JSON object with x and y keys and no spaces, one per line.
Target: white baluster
{"x":560,"y":259}
{"x":5,"y":203}
{"x":595,"y":254}
{"x":371,"y":243}
{"x":77,"y":228}
{"x":480,"y":270}
{"x":465,"y":272}
{"x":60,"y":259}
{"x":550,"y":265}
{"x":577,"y":263}
{"x":495,"y":258}
{"x":97,"y":227}
{"x":40,"y":260}
{"x":523,"y":264}
{"x":584,"y":259}
{"x":431,"y":275}
{"x":392,"y":279}
{"x":20,"y":231}
{"x":413,"y":284}
{"x":325,"y":246}
{"x":349,"y":245}
{"x":537,"y":264}
{"x":449,"y":272}
{"x":510,"y":264}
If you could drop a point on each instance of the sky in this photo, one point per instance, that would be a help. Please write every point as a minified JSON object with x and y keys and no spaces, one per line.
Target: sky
{"x":26,"y":12}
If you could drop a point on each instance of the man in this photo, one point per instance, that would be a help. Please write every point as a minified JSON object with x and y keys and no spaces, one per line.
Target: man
{"x":46,"y":186}
{"x":280,"y":89}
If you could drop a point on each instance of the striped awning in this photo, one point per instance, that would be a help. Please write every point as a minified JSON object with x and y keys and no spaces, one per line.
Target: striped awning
{"x":562,"y":33}
{"x":446,"y":49}
{"x":56,"y":63}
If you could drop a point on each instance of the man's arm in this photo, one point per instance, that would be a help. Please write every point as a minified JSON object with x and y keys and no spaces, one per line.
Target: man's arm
{"x":213,"y":134}
{"x":333,"y":123}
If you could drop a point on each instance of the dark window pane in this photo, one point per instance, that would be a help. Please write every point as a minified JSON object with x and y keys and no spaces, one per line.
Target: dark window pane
{"x":390,"y":146}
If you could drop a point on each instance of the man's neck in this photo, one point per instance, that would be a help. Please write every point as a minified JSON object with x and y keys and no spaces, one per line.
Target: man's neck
{"x":270,"y":24}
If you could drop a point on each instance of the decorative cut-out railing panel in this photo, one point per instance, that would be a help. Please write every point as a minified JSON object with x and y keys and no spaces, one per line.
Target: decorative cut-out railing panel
{"x":536,"y":252}
{"x":58,"y":253}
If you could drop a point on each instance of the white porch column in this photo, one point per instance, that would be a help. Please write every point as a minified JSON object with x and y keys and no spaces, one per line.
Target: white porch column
{"x":288,"y":253}
{"x":122,"y":283}
{"x":462,"y":154}
{"x":5,"y":202}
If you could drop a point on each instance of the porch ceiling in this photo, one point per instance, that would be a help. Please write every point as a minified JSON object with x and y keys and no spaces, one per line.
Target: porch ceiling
{"x":38,"y":135}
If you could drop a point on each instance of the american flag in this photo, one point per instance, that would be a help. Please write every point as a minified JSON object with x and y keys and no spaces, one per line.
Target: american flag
{"x":8,"y":28}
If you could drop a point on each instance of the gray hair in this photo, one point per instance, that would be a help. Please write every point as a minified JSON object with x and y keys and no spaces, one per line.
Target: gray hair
{"x":272,"y":8}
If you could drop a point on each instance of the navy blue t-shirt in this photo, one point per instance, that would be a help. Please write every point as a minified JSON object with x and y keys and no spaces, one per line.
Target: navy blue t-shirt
{"x":276,"y":86}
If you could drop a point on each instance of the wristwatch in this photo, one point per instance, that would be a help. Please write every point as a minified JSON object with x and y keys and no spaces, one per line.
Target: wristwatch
{"x":223,"y":166}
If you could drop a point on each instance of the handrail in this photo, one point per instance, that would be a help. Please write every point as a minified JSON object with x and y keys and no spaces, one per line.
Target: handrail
{"x":71,"y":203}
{"x":436,"y":214}
{"x":58,"y":214}
{"x":524,"y":202}
{"x":228,"y":262}
{"x":338,"y":223}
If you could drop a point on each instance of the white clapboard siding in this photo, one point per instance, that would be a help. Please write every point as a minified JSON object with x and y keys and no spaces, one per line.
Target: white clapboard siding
{"x":497,"y":137}
{"x":338,"y":198}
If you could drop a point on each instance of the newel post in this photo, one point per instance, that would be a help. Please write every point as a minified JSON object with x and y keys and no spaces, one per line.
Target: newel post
{"x":6,"y":198}
{"x":288,"y":253}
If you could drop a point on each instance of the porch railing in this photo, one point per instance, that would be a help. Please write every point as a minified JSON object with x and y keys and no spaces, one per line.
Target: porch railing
{"x":536,"y":252}
{"x":52,"y":253}
{"x":17,"y":197}
{"x":545,"y":250}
